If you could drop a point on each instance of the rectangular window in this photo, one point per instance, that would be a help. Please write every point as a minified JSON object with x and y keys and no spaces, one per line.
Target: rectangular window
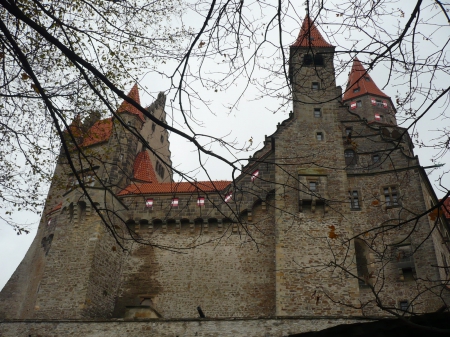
{"x":379,"y":102}
{"x":315,"y":86}
{"x":354,"y":200}
{"x":403,"y":305}
{"x":319,"y":136}
{"x":348,"y":131}
{"x":356,"y":90}
{"x":313,"y":186}
{"x":201,"y":201}
{"x":149,"y":203}
{"x":358,"y":104}
{"x":391,"y":196}
{"x":375,"y":158}
{"x":174,"y":202}
{"x":317,"y":112}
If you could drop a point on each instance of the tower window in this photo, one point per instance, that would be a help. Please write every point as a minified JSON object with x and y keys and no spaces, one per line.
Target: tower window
{"x":356,"y":89}
{"x":348,"y":131}
{"x":317,"y":112}
{"x":354,"y":200}
{"x":315,"y":86}
{"x":313,"y":186}
{"x":350,"y":157}
{"x":358,"y":104}
{"x":153,"y":127}
{"x":319,"y":136}
{"x":391,"y":196}
{"x":161,"y":139}
{"x":307,"y":60}
{"x":375,"y":158}
{"x":318,"y":60}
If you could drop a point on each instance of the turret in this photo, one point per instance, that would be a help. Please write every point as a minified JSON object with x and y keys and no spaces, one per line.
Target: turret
{"x":365,"y":99}
{"x":311,"y":69}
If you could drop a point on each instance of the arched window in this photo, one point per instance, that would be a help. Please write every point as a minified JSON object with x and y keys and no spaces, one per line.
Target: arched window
{"x":350,"y":157}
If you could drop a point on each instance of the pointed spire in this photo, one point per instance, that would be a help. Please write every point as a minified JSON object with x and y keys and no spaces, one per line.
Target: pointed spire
{"x":127,"y":107}
{"x":310,"y":36}
{"x":143,"y":168}
{"x":360,"y":83}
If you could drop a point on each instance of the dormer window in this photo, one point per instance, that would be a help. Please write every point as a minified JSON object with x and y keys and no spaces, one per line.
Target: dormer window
{"x":367,"y":78}
{"x":356,"y":89}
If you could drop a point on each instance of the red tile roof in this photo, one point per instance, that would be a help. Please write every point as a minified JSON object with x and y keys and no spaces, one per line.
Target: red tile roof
{"x":54,"y":209}
{"x":143,"y":168}
{"x":183,"y":187}
{"x":128,"y":107}
{"x":98,"y":133}
{"x":310,"y":36}
{"x":359,"y":78}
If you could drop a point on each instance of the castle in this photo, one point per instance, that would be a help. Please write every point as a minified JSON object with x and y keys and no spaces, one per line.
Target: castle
{"x":326,"y":224}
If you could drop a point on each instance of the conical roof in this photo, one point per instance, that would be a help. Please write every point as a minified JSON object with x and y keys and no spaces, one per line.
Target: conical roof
{"x":143,"y":168}
{"x":310,"y":36}
{"x":127,"y":107}
{"x":360,"y":83}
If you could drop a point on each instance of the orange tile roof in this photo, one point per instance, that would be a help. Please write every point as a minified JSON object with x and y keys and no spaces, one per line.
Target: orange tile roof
{"x":310,"y":36}
{"x":359,"y":78}
{"x":98,"y":133}
{"x":183,"y":187}
{"x":143,"y":168}
{"x":128,"y":107}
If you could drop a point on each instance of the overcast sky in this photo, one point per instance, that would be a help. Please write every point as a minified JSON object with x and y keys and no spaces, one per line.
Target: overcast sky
{"x":253,"y":118}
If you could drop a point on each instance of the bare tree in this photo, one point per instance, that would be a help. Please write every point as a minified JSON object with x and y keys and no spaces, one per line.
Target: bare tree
{"x":66,"y":62}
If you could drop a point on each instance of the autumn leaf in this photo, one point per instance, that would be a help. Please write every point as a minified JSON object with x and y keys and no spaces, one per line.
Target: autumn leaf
{"x":25,"y":76}
{"x":35,"y":88}
{"x":332,"y":234}
{"x":201,"y":44}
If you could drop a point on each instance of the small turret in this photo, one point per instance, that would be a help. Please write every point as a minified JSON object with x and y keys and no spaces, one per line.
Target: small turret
{"x":366,"y":99}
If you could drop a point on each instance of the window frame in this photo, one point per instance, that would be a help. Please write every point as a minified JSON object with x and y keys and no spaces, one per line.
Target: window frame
{"x":315,"y":86}
{"x":353,"y":160}
{"x":320,"y":136}
{"x":317,"y":113}
{"x":359,"y":104}
{"x":389,"y":200}
{"x":354,"y":206}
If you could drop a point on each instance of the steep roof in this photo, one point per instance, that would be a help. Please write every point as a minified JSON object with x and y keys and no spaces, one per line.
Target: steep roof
{"x":143,"y":168}
{"x":183,"y":187}
{"x":310,"y":36}
{"x":128,"y":107}
{"x":360,"y":78}
{"x":98,"y":133}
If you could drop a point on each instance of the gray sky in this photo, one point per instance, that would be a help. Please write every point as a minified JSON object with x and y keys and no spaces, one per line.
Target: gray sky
{"x":253,"y":118}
